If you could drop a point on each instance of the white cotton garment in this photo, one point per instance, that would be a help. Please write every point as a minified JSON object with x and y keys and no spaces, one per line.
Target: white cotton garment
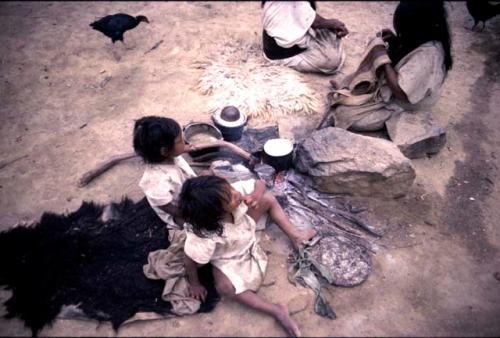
{"x":421,"y":74}
{"x":236,"y":252}
{"x":288,"y":21}
{"x":162,"y":183}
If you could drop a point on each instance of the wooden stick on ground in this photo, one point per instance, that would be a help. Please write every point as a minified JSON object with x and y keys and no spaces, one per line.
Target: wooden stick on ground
{"x":3,"y":164}
{"x":102,"y":167}
{"x":156,"y":45}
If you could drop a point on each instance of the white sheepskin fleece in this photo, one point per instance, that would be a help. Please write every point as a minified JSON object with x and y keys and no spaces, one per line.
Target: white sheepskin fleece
{"x":239,"y":75}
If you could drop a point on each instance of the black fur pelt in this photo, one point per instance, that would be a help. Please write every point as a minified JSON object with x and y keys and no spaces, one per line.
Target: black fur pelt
{"x":78,"y":259}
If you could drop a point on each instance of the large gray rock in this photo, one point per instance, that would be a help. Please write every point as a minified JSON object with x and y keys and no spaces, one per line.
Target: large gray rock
{"x":343,"y":162}
{"x":416,"y":134}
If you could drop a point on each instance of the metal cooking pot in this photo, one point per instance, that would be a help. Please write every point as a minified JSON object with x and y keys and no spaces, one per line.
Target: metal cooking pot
{"x":278,"y":153}
{"x":230,"y":122}
{"x":196,"y":128}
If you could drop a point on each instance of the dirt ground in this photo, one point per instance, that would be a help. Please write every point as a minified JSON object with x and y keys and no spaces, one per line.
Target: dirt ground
{"x":69,"y":98}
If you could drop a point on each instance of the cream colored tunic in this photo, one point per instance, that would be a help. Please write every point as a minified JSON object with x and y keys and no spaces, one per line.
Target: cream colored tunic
{"x":237,"y":252}
{"x":289,"y":23}
{"x":421,"y":74}
{"x":162,"y":184}
{"x":168,"y":264}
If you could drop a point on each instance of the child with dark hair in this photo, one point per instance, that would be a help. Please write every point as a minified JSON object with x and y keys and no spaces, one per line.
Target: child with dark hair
{"x":222,"y":231}
{"x":159,"y":141}
{"x":411,"y":65}
{"x":155,"y":137}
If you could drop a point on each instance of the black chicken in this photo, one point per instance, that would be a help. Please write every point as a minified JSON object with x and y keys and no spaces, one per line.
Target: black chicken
{"x":115,"y":25}
{"x":482,"y":10}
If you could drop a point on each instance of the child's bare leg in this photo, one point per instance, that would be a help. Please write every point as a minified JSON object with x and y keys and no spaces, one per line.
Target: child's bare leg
{"x":268,"y":203}
{"x":250,"y":298}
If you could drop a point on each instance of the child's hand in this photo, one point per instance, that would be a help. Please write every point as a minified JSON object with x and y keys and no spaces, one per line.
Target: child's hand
{"x":199,"y":146}
{"x":197,"y":291}
{"x":338,"y":27}
{"x":252,"y":200}
{"x":192,"y":147}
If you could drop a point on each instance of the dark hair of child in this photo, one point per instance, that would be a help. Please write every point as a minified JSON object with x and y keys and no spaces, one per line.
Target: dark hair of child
{"x":151,"y":133}
{"x":417,"y":22}
{"x":201,"y":203}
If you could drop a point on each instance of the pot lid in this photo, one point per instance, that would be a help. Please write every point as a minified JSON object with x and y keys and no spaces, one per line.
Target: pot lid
{"x":241,"y":120}
{"x":278,"y":147}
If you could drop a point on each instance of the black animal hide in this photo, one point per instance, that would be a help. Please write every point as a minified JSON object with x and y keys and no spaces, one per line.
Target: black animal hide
{"x":78,"y":259}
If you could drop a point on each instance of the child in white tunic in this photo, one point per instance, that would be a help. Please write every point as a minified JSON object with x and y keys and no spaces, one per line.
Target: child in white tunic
{"x":160,"y":143}
{"x":222,"y":221}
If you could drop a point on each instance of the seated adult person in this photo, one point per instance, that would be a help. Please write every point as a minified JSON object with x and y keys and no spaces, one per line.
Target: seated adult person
{"x":296,"y":36}
{"x":419,"y":58}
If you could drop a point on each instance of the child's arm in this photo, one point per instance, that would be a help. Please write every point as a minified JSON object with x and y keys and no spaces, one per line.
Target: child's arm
{"x":252,"y":160}
{"x":392,"y":81}
{"x":252,"y":199}
{"x":196,"y":290}
{"x":237,"y":150}
{"x":390,"y":73}
{"x":174,"y":211}
{"x":221,"y":143}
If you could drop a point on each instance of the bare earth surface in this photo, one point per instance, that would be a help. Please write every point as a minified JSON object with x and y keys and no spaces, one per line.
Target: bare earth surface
{"x":69,"y":98}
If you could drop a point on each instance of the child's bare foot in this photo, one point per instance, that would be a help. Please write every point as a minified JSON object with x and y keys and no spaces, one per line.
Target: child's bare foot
{"x":286,"y":321}
{"x":304,"y":236}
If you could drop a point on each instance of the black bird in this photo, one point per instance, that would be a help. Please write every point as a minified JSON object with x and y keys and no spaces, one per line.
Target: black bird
{"x":113,"y":26}
{"x":482,"y":10}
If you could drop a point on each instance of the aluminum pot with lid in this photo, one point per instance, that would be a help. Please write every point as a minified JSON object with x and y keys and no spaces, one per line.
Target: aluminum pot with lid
{"x":278,"y":153}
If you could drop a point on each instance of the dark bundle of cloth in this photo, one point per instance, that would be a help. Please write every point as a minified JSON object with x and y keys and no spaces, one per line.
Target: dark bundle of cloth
{"x":79,"y":259}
